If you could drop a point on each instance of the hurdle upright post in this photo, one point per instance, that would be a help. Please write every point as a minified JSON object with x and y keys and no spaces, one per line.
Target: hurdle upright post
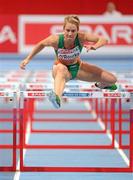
{"x":131,"y":139}
{"x":21,"y":135}
{"x":14,"y":130}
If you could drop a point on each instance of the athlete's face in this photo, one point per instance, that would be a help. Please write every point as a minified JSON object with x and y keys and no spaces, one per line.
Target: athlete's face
{"x":70,"y":31}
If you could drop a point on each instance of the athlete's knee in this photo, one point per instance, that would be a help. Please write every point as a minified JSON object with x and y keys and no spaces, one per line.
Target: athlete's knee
{"x":113,"y":79}
{"x":108,"y":77}
{"x":61,"y":70}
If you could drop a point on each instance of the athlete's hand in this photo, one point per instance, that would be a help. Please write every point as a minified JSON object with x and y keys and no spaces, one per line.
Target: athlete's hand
{"x":89,"y":47}
{"x":24,"y":63}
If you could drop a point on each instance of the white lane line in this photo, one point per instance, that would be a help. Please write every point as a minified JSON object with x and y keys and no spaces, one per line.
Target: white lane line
{"x":120,"y":151}
{"x":17,"y":174}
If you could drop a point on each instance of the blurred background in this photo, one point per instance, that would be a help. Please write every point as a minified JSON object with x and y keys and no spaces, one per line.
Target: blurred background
{"x":25,"y":22}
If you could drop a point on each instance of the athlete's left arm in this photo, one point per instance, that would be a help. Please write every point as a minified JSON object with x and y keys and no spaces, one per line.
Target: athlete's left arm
{"x":98,"y":40}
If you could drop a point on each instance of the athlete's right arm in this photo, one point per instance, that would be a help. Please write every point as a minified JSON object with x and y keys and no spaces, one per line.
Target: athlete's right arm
{"x":51,"y":40}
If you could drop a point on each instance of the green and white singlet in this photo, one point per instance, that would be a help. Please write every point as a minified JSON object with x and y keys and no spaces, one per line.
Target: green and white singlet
{"x":68,"y":56}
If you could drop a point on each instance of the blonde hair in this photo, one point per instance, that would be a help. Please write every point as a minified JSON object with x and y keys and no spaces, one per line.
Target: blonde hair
{"x":74,"y":19}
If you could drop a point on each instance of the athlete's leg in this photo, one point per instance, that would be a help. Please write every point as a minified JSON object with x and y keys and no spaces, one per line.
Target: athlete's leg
{"x":92,"y":73}
{"x":61,"y":75}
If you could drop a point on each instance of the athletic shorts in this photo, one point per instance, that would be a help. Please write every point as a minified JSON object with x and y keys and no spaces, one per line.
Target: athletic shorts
{"x":73,"y":69}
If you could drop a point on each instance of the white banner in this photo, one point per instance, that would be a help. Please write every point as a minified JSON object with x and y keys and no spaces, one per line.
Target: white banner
{"x":118,"y":31}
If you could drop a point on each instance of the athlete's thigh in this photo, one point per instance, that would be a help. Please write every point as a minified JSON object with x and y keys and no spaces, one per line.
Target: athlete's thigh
{"x":89,"y":72}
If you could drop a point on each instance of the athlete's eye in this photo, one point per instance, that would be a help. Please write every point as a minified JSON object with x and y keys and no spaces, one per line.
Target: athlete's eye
{"x":68,"y":30}
{"x":73,"y":31}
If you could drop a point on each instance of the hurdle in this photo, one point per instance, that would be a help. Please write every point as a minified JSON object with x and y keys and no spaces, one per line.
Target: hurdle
{"x":13,"y":97}
{"x":48,"y":87}
{"x":112,"y":96}
{"x":69,"y":87}
{"x":73,"y":87}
